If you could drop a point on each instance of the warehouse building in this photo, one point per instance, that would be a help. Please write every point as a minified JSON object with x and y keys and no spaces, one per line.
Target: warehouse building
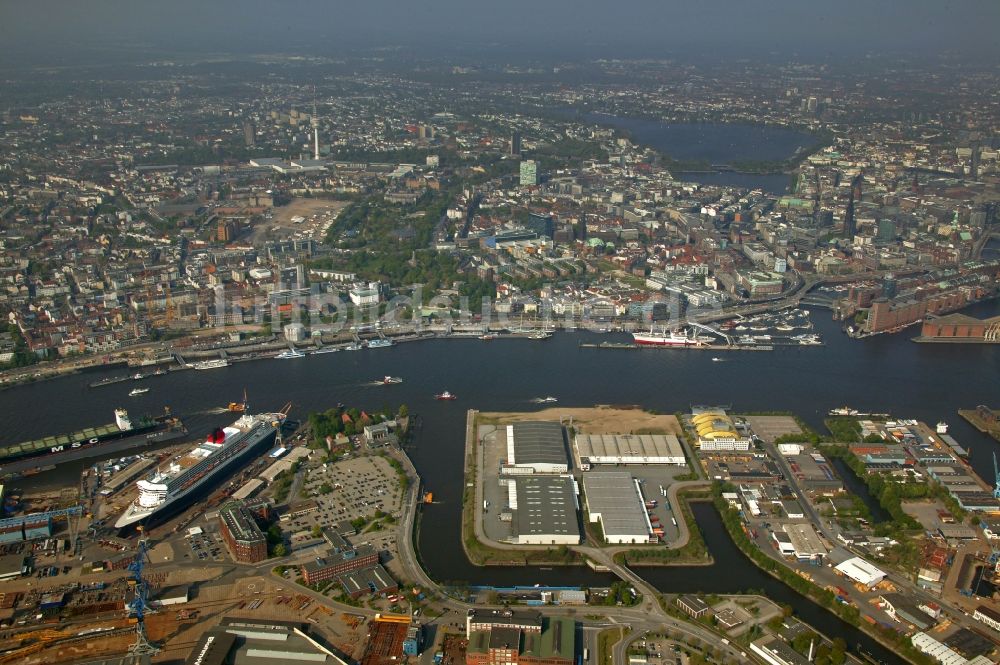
{"x":805,"y":543}
{"x":545,"y":509}
{"x":861,"y":572}
{"x":593,"y":449}
{"x":614,"y":500}
{"x":249,"y":641}
{"x":535,"y":447}
{"x":368,"y":581}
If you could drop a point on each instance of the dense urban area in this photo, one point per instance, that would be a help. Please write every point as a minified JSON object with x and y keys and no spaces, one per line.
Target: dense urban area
{"x":188,"y":215}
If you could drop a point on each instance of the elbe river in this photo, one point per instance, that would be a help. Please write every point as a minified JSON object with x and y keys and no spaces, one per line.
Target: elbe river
{"x":887,"y":373}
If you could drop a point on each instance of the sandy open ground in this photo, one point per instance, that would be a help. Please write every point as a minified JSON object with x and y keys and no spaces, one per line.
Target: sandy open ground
{"x":597,"y":419}
{"x":281,"y":225}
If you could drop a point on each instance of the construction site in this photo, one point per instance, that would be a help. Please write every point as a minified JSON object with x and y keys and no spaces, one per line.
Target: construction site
{"x":144,"y":615}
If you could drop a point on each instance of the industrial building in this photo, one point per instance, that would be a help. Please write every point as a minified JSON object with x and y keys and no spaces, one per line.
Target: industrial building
{"x":904,"y":610}
{"x":369,"y":581}
{"x":524,"y":620}
{"x":28,"y":527}
{"x":614,"y":500}
{"x":535,"y":447}
{"x":717,"y":431}
{"x":551,"y":644}
{"x":861,"y":572}
{"x":806,"y":545}
{"x":772,"y":649}
{"x":244,"y":539}
{"x":594,"y":449}
{"x":248,"y":641}
{"x":545,"y":509}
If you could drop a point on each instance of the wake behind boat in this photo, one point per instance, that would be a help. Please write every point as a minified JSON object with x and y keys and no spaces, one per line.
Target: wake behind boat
{"x":445,"y":396}
{"x":387,"y":381}
{"x":545,"y":400}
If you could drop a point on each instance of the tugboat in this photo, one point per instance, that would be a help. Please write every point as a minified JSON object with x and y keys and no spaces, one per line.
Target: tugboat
{"x":445,"y":396}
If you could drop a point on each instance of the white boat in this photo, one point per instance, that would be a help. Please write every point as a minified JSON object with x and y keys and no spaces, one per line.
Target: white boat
{"x":379,"y":343}
{"x":942,"y":427}
{"x":290,"y":353}
{"x":326,"y":349}
{"x":545,"y":400}
{"x":173,"y":484}
{"x":445,"y":396}
{"x":211,"y":364}
{"x":389,"y":381}
{"x":667,"y":338}
{"x":138,"y":391}
{"x":716,"y":359}
{"x":353,"y":347}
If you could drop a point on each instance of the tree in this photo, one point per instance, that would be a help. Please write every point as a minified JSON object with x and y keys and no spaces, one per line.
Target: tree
{"x":404,"y":411}
{"x":280,"y":549}
{"x":317,"y":531}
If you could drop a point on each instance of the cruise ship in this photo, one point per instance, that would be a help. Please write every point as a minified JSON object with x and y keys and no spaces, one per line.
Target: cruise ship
{"x":174,"y":484}
{"x":667,"y":338}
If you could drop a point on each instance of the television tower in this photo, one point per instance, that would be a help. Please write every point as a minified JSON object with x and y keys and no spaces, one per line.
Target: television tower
{"x":315,"y":126}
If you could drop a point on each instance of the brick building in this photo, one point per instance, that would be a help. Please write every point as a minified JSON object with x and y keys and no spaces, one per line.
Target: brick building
{"x":244,"y":539}
{"x":961,"y":327}
{"x":506,"y":637}
{"x":338,"y":563}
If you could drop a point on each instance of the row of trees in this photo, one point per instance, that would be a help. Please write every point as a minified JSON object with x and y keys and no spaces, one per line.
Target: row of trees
{"x":733,"y":523}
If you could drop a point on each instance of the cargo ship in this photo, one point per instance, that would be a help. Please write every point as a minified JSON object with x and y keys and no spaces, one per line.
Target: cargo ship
{"x":667,"y":338}
{"x":146,"y":430}
{"x":178,"y":481}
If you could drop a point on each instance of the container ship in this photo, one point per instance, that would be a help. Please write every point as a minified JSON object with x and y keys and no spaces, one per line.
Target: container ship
{"x":146,"y":430}
{"x":666,"y":338}
{"x":176,"y":482}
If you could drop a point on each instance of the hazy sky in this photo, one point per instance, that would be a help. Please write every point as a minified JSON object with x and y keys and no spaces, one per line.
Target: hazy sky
{"x":560,"y":28}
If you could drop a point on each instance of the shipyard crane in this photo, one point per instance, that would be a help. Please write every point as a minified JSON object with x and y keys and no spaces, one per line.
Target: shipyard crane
{"x":139,"y":606}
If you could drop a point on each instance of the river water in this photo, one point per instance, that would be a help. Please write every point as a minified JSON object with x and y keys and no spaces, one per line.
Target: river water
{"x":887,"y":373}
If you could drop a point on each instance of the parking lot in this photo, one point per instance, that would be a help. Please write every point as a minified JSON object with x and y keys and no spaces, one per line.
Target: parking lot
{"x":205,"y":547}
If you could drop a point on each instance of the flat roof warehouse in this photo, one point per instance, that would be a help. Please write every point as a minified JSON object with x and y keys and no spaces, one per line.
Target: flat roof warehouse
{"x":537,"y":444}
{"x":613,"y":499}
{"x":546,"y":510}
{"x":629,"y":449}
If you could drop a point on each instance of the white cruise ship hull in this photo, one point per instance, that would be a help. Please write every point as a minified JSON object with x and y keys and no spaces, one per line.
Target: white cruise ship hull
{"x":175,"y":502}
{"x":664,"y":340}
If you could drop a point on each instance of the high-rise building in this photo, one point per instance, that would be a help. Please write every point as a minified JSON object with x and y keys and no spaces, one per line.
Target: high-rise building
{"x":850,"y":224}
{"x":886,"y":230}
{"x":529,"y":172}
{"x":249,"y":133}
{"x":515,"y":144}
